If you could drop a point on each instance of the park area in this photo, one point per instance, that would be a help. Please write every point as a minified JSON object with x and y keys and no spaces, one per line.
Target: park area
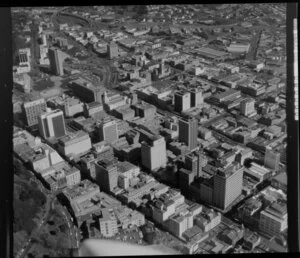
{"x":52,"y":240}
{"x":28,"y":204}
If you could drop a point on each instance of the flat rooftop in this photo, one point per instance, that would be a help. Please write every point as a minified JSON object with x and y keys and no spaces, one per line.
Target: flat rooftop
{"x":212,"y":52}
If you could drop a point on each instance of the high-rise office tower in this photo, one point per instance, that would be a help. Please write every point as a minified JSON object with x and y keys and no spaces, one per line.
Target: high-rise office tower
{"x":191,"y":162}
{"x":247,"y":107}
{"x":182,"y":101}
{"x":196,"y":97}
{"x":56,"y":61}
{"x":52,"y":124}
{"x":227,"y":186}
{"x":34,"y":26}
{"x":86,"y":91}
{"x":162,"y":67}
{"x":134,"y":98}
{"x":32,"y":110}
{"x":44,"y":39}
{"x":188,"y":132}
{"x":186,"y":177}
{"x":272,"y":159}
{"x":106,"y":174}
{"x":108,"y":131}
{"x":154,"y":154}
{"x":112,"y":50}
{"x":273,"y":220}
{"x":202,"y":162}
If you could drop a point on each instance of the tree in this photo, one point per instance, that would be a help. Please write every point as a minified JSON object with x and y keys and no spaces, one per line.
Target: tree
{"x":49,"y":241}
{"x":19,"y":239}
{"x":62,"y":243}
{"x":63,"y":228}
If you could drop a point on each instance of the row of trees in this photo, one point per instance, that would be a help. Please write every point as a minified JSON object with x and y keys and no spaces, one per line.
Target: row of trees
{"x":28,"y":199}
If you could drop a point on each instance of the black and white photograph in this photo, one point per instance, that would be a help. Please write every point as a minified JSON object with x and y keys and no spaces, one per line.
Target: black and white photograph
{"x":150,"y":129}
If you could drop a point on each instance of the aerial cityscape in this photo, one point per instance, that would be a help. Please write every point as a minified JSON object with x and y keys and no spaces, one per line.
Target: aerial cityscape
{"x":152,"y":125}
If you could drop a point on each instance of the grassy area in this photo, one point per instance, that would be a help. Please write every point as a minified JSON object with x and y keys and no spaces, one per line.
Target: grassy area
{"x":28,"y":202}
{"x":28,"y":205}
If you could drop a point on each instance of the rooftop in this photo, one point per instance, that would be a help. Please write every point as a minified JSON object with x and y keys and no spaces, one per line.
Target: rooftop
{"x":78,"y":135}
{"x":212,"y":52}
{"x":279,"y":208}
{"x":281,"y":178}
{"x":125,"y":166}
{"x":191,"y":232}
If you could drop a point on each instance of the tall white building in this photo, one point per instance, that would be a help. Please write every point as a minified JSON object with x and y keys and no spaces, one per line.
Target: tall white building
{"x":272,"y":159}
{"x":182,"y":101}
{"x":228,"y":185}
{"x":273,"y":220}
{"x":196,"y":97}
{"x":44,"y":39}
{"x":52,"y":124}
{"x":247,"y":107}
{"x":154,"y":154}
{"x":108,"y":131}
{"x":44,"y":60}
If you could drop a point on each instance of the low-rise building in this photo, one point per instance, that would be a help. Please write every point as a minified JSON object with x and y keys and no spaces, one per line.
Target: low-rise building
{"x":74,"y":144}
{"x":280,"y":181}
{"x":177,"y":224}
{"x":92,"y":109}
{"x":232,"y":235}
{"x":251,"y":241}
{"x":207,"y":220}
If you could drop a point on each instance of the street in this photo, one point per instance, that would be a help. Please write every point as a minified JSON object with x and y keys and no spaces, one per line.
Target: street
{"x":73,"y":231}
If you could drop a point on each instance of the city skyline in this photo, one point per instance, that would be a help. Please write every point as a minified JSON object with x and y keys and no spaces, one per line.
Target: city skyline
{"x":154,"y":124}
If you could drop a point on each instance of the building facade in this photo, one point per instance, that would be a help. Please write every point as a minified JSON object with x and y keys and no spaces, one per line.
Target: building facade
{"x":182,"y":101}
{"x":188,"y":132}
{"x":196,"y":97}
{"x":227,"y":187}
{"x":247,"y":107}
{"x":86,"y":91}
{"x":273,"y":220}
{"x":32,"y":110}
{"x":108,"y":131}
{"x":272,"y":159}
{"x":56,"y":61}
{"x":75,"y":144}
{"x":52,"y":124}
{"x":106,"y":175}
{"x":154,"y":153}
